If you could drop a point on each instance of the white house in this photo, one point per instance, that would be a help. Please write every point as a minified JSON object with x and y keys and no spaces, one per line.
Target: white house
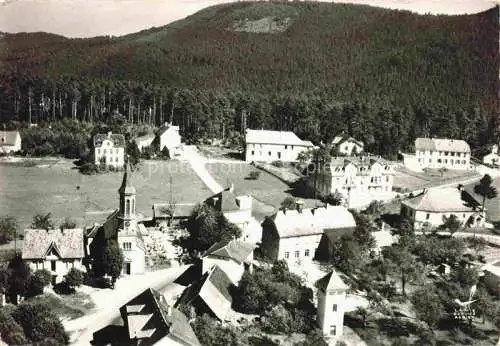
{"x":233,"y":257}
{"x":492,"y":158}
{"x":433,"y":205}
{"x":346,"y":145}
{"x":123,"y":226}
{"x":438,"y":153}
{"x":294,"y":235}
{"x":170,"y":138}
{"x":331,"y":292}
{"x":109,"y":149}
{"x":54,"y":250}
{"x":360,"y":180}
{"x":144,"y":141}
{"x":10,"y":142}
{"x":269,"y":146}
{"x":238,"y":210}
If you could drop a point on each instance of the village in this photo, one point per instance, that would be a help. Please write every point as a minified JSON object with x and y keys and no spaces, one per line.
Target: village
{"x":357,"y":247}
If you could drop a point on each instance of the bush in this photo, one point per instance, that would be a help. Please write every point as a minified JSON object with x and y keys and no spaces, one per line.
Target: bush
{"x":34,"y":286}
{"x":89,"y":169}
{"x":12,"y":333}
{"x":277,"y":163}
{"x":74,"y":278}
{"x":8,"y":227}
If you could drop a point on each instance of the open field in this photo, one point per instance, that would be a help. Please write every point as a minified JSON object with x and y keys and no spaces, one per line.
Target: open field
{"x":57,"y":188}
{"x":268,"y":191}
{"x":406,"y":179}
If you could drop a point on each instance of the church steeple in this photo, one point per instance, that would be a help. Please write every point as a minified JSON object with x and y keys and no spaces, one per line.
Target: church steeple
{"x":127,"y":201}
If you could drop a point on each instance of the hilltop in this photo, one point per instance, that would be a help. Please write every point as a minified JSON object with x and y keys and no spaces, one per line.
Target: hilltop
{"x":340,"y":53}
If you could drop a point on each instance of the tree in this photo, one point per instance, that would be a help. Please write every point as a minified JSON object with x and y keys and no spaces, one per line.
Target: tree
{"x":486,"y":189}
{"x":212,"y":333}
{"x":451,"y":223}
{"x":313,"y":338}
{"x":363,"y":313}
{"x":39,"y":323}
{"x":402,"y":259}
{"x":18,"y":279}
{"x":207,"y":226}
{"x":288,"y":203}
{"x":363,"y":233}
{"x":427,"y":305}
{"x":133,"y":153}
{"x":34,"y":286}
{"x":8,"y":228}
{"x":68,"y":223}
{"x":12,"y":333}
{"x":335,"y":198}
{"x":113,"y":260}
{"x":74,"y":278}
{"x":347,"y":254}
{"x":41,"y":221}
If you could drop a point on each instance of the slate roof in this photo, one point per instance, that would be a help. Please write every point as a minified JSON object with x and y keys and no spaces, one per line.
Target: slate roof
{"x":9,"y":138}
{"x":171,"y":320}
{"x":68,"y":243}
{"x":117,"y":139}
{"x":213,"y":289}
{"x":448,"y":199}
{"x":311,"y":221}
{"x":442,"y":144}
{"x":224,"y":201}
{"x":233,"y":249}
{"x":273,"y":137}
{"x":331,"y":281}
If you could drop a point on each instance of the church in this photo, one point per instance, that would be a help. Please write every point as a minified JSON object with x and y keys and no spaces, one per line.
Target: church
{"x":122,"y":226}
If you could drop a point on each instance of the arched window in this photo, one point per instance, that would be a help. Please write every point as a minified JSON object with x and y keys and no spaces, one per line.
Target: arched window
{"x":127,"y":207}
{"x":133,"y":207}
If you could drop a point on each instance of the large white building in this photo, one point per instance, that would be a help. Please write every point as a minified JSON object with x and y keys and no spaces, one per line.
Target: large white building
{"x":331,"y":292}
{"x":10,"y":142}
{"x":294,"y":235}
{"x":54,"y":250}
{"x":109,"y":149}
{"x":359,"y":180}
{"x":439,"y":153}
{"x":434,"y":205}
{"x":269,"y":146}
{"x":492,"y":158}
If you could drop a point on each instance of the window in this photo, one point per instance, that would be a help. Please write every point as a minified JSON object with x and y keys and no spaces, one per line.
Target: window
{"x":98,"y":151}
{"x":287,"y":255}
{"x":253,"y":152}
{"x":439,"y":160}
{"x":334,"y":308}
{"x":306,"y":253}
{"x":127,"y":246}
{"x":269,"y":153}
{"x":291,"y":147}
{"x":445,"y":153}
{"x":116,"y":151}
{"x":430,"y":160}
{"x":427,"y":216}
{"x":387,"y":178}
{"x":260,"y":153}
{"x":463,"y":162}
{"x":105,"y":151}
{"x":333,"y":330}
{"x":297,"y":254}
{"x":279,"y":155}
{"x":53,"y":266}
{"x":127,"y":207}
{"x":286,"y":146}
{"x":452,"y":154}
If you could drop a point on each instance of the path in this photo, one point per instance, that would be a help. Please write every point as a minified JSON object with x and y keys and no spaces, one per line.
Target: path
{"x":109,"y":301}
{"x":197,"y":162}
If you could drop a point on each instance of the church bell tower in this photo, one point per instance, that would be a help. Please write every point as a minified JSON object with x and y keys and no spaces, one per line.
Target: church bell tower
{"x":127,"y":193}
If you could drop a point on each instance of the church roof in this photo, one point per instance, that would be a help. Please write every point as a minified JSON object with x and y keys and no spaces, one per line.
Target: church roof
{"x":127,"y":187}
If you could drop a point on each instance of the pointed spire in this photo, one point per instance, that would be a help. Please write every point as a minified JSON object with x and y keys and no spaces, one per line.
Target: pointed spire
{"x":127,"y":187}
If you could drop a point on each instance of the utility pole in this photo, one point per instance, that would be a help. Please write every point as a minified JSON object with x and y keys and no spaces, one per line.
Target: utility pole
{"x":171,"y":195}
{"x":316,"y":162}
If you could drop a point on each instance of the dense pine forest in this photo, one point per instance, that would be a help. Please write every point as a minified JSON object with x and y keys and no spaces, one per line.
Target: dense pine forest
{"x":384,"y":76}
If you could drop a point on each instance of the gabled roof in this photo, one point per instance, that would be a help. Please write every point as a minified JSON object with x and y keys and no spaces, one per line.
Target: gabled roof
{"x":9,"y":138}
{"x":224,"y":201}
{"x":213,"y":289}
{"x":447,"y":199}
{"x":233,"y":249}
{"x":331,"y":281}
{"x":361,"y":162}
{"x":344,"y":138}
{"x":68,"y":243}
{"x":145,"y":138}
{"x":273,"y":137}
{"x":311,"y":221}
{"x":167,"y":127}
{"x":442,"y":144}
{"x":139,"y":313}
{"x":117,"y":139}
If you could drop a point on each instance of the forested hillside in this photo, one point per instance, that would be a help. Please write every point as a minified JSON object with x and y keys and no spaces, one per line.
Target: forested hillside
{"x":385,"y":76}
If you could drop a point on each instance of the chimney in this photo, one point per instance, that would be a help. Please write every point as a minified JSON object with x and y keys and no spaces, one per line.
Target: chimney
{"x":109,"y":134}
{"x":299,"y":204}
